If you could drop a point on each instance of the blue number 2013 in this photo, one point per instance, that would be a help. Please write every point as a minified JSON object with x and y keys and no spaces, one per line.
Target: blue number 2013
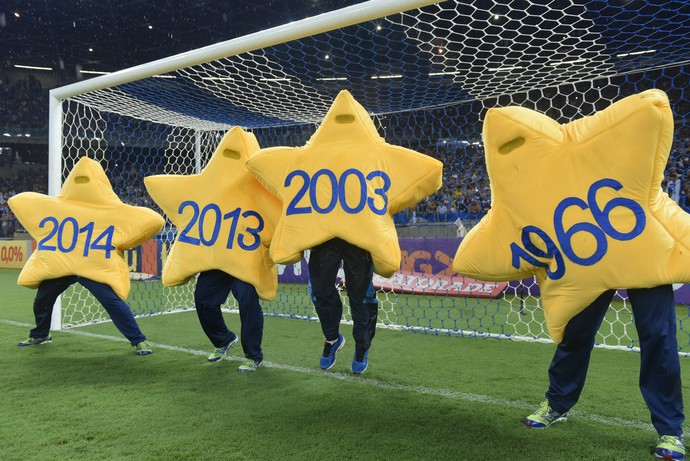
{"x":337,"y":195}
{"x":104,"y":241}
{"x":199,"y":217}
{"x":600,"y":231}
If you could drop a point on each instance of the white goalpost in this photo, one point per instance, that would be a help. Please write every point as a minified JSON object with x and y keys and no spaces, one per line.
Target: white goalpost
{"x":426,"y":71}
{"x":322,"y":23}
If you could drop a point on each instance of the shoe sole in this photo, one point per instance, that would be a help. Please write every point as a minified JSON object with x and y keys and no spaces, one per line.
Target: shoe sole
{"x":248,"y":370}
{"x":22,"y":344}
{"x":558,"y":420}
{"x":359,"y":372}
{"x":230,"y":346}
{"x":335,"y":355}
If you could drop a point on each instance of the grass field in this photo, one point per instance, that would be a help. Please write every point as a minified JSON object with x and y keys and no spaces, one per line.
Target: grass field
{"x":87,"y":396}
{"x":507,"y":315}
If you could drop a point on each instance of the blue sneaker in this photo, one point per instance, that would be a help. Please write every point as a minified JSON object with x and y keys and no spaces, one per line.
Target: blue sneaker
{"x":35,"y":341}
{"x":544,"y":417}
{"x":329,"y":352}
{"x":670,"y":447}
{"x":360,"y":367}
{"x":220,"y":352}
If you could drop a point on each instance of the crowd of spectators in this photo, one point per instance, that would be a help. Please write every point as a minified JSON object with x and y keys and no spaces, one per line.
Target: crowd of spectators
{"x":463,"y":199}
{"x":20,"y":180}
{"x":23,"y":105}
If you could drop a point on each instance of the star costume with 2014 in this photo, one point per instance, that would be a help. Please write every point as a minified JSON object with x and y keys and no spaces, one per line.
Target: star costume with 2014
{"x":580,"y":206}
{"x":81,"y":234}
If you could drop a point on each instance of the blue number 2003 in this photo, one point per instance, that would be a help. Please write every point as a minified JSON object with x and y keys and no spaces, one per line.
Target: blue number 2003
{"x":199,"y":217}
{"x":309,"y":187}
{"x":600,"y":231}
{"x":59,"y":230}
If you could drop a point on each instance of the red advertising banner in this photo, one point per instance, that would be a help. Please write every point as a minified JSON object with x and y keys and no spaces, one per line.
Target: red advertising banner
{"x":14,"y":253}
{"x":440,"y":285}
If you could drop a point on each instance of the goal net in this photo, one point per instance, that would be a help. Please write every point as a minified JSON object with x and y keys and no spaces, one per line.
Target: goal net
{"x":427,"y":72}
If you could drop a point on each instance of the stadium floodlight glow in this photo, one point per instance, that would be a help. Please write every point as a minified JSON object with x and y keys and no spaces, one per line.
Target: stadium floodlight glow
{"x":277,"y":79}
{"x":633,"y":53}
{"x":20,"y":66}
{"x":7,"y":135}
{"x":384,"y":77}
{"x":219,"y":79}
{"x":331,"y":79}
{"x":438,"y":74}
{"x":94,"y":72}
{"x":505,"y":69}
{"x":566,"y":63}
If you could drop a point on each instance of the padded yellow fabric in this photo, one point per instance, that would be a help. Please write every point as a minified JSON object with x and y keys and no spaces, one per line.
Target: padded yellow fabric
{"x":83,"y":230}
{"x":579,"y":205}
{"x":345,"y":182}
{"x":224,"y":217}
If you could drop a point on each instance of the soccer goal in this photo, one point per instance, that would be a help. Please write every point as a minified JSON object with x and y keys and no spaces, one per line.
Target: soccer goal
{"x":426,"y":71}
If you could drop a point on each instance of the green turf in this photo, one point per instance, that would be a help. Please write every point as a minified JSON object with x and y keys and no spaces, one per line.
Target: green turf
{"x":87,"y":396}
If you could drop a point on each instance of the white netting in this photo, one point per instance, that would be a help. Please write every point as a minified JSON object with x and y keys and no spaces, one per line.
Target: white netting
{"x":427,"y":76}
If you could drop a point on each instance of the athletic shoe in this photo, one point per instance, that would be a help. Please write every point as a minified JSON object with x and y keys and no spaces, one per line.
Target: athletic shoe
{"x":360,"y":367}
{"x":544,"y":417}
{"x":35,"y":341}
{"x":329,"y":352}
{"x":250,"y":365}
{"x":143,"y":348}
{"x":220,"y":352}
{"x":670,"y":447}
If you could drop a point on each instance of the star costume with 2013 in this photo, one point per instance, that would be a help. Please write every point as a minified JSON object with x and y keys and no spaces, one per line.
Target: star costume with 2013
{"x":80,"y":236}
{"x":225,"y":220}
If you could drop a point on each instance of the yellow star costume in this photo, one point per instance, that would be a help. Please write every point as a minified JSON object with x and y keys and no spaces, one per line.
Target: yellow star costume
{"x":83,"y":230}
{"x":345,"y":182}
{"x":224,"y":218}
{"x":579,"y":205}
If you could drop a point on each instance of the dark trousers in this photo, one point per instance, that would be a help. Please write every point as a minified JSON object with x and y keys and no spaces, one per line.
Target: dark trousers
{"x":654,"y":311}
{"x":324,"y":263}
{"x":118,"y":310}
{"x":212,"y":290}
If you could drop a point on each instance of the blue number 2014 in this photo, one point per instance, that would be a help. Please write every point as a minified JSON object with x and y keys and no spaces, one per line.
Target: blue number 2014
{"x":337,"y":191}
{"x":249,"y":241}
{"x":600,"y":231}
{"x":104,"y":241}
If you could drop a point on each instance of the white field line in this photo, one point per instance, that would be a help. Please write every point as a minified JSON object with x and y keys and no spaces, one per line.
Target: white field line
{"x":375,"y":383}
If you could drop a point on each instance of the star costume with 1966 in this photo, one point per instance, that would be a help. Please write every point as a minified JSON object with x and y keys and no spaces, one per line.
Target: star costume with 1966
{"x":579,"y":205}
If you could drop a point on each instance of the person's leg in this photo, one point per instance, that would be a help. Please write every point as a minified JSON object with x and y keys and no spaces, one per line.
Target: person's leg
{"x":118,"y":310}
{"x":47,"y":294}
{"x":654,"y":310}
{"x":212,"y":290}
{"x":324,"y":262}
{"x":360,"y":291}
{"x":568,"y":368}
{"x":251,"y":318}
